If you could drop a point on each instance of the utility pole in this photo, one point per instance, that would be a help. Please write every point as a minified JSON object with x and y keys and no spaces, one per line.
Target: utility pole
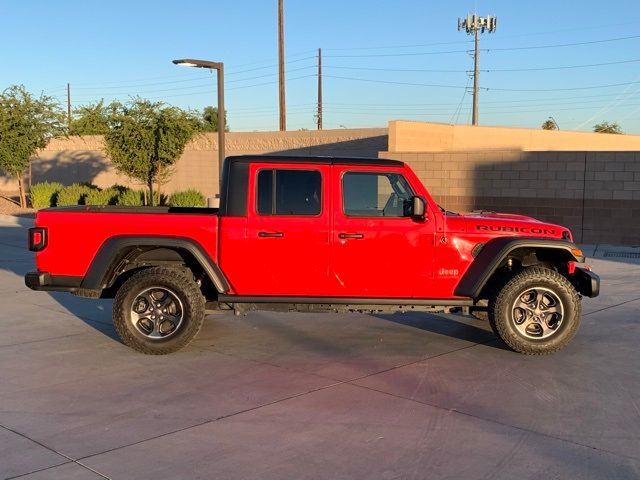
{"x":283,"y":112}
{"x":68,"y":105}
{"x":319,"y":119}
{"x":474,"y":25}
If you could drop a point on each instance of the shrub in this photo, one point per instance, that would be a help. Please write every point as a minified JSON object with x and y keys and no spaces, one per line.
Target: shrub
{"x":74,"y":194}
{"x":44,"y":194}
{"x":188,"y":198}
{"x":108,"y":196}
{"x":120,"y":188}
{"x":130,"y":198}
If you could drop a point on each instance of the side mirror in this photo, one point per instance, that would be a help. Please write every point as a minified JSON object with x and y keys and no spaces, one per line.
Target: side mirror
{"x":418,"y":207}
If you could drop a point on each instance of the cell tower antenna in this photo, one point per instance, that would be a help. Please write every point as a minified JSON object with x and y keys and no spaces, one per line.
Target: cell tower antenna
{"x":474,"y":25}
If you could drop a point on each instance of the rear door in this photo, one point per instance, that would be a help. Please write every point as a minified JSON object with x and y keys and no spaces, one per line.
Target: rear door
{"x":288,"y":229}
{"x":377,"y":251}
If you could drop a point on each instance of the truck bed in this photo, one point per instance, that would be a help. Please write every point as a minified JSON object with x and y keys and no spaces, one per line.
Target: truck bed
{"x":76,"y":233}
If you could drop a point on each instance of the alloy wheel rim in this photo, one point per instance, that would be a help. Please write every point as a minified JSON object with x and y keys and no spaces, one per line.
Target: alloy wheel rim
{"x":537,"y":313}
{"x":157,"y":313}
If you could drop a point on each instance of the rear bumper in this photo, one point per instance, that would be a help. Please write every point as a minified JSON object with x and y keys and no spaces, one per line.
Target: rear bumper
{"x":586,"y":282}
{"x":46,"y":281}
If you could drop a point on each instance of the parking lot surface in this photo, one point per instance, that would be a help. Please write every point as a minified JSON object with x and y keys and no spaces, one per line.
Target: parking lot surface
{"x":310,"y":396}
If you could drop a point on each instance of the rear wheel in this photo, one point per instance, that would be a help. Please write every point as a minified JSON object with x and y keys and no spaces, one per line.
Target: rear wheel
{"x":536,"y":312}
{"x":158,"y":310}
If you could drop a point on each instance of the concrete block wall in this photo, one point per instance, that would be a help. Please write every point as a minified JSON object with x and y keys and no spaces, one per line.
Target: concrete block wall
{"x":595,"y":194}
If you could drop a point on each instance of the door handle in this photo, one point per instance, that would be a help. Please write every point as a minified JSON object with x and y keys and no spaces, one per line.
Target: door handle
{"x":350,"y":235}
{"x":270,"y":234}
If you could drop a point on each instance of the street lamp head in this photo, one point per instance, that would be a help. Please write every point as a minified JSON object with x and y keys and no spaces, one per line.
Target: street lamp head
{"x":184,"y":63}
{"x":190,"y":62}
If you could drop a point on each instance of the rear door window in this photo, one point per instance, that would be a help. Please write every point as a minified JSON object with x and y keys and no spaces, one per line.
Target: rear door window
{"x":289,"y":192}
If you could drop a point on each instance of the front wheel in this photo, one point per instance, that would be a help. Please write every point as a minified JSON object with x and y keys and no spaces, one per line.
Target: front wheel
{"x":537,"y":312}
{"x":158,"y":310}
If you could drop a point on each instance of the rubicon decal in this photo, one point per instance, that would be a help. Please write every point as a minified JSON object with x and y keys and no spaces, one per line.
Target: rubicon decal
{"x":503,"y":228}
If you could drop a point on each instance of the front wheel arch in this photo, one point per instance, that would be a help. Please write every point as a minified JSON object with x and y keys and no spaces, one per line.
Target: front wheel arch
{"x":494,"y":260}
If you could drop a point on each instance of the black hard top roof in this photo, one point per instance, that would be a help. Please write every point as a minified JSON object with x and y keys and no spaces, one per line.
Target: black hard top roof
{"x":322,"y":160}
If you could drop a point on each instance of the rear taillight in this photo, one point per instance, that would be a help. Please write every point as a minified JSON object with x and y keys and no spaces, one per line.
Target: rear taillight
{"x":37,"y":239}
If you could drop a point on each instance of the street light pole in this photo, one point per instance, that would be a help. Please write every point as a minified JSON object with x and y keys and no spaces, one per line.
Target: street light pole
{"x":219,"y":67}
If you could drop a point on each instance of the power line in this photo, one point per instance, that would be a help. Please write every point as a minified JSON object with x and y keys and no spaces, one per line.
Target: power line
{"x":568,"y":89}
{"x":484,"y":88}
{"x":561,"y":67}
{"x":492,"y":70}
{"x":115,"y":96}
{"x":411,"y":70}
{"x":411,"y":54}
{"x":489,"y":101}
{"x":489,"y":112}
{"x":400,"y":46}
{"x":200,"y":85}
{"x":199,"y":78}
{"x":498,"y":49}
{"x":446,"y":106}
{"x":396,"y":83}
{"x":559,"y":45}
{"x":387,"y":47}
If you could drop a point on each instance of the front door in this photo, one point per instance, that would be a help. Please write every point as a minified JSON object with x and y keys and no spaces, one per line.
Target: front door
{"x":288,"y":230}
{"x":378,"y":251}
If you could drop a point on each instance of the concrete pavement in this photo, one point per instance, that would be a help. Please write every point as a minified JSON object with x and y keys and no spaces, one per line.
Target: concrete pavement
{"x":309,"y":396}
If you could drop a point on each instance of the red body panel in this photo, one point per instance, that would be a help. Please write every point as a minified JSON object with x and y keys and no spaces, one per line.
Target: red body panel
{"x":297,"y":263}
{"x":75,"y":237}
{"x":394,"y":258}
{"x":391,"y":255}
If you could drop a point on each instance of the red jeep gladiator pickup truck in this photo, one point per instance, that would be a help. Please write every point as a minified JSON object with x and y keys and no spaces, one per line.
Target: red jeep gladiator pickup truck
{"x":313,"y":234}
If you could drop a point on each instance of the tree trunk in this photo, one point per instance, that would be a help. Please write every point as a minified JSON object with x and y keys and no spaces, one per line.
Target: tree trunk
{"x":23,"y":198}
{"x":158,"y":183}
{"x":150,"y":185}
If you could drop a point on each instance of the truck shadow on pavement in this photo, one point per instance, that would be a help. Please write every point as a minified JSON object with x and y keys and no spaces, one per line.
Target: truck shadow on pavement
{"x":462,"y":327}
{"x":16,"y":259}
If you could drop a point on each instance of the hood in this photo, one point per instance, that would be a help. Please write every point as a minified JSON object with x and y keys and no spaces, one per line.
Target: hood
{"x":494,"y":224}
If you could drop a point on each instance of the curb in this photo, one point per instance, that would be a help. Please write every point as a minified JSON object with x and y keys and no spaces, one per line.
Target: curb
{"x":13,"y":220}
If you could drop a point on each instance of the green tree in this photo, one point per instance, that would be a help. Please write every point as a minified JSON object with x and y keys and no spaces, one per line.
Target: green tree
{"x":92,"y":119}
{"x":27,"y":124}
{"x":549,"y":125}
{"x":606,"y":127}
{"x":146,"y":138}
{"x":210,"y":120}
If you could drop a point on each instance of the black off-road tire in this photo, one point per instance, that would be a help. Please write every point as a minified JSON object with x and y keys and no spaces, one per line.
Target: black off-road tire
{"x":502,"y":318}
{"x":182,"y":286}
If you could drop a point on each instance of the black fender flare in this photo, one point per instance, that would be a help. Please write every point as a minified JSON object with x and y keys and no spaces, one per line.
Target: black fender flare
{"x":496,"y":251}
{"x":111,"y":252}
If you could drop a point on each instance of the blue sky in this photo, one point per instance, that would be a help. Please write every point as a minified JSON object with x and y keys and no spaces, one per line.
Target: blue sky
{"x":383,"y":60}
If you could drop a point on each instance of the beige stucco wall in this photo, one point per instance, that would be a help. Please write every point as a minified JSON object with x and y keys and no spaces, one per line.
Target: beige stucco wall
{"x":81,"y":159}
{"x":408,"y":136}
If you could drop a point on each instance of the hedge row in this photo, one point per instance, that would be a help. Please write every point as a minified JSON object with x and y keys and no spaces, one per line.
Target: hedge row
{"x":54,"y":194}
